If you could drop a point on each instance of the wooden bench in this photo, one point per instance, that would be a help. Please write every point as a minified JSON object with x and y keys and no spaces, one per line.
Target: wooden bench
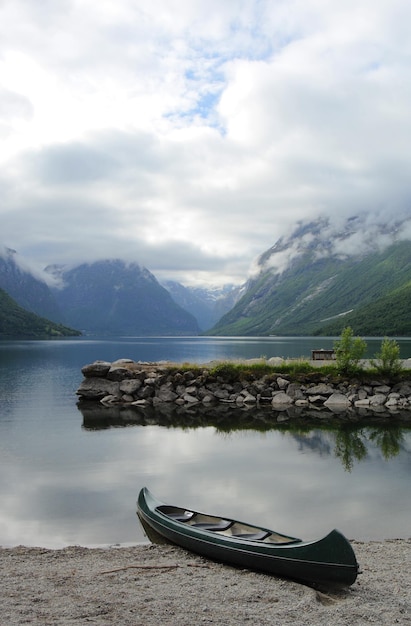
{"x":322,"y":355}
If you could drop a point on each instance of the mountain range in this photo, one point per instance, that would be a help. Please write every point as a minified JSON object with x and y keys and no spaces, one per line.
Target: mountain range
{"x":105,"y":297}
{"x":323,"y":276}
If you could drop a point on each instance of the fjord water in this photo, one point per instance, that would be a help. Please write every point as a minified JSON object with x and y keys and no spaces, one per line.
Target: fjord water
{"x":64,"y":483}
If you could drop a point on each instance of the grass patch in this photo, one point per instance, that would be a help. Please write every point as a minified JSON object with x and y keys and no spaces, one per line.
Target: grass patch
{"x":232,"y":371}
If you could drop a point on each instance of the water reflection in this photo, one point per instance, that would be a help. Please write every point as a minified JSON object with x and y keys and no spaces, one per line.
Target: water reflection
{"x":345,"y":440}
{"x":79,"y":485}
{"x":71,"y":477}
{"x":350,"y":446}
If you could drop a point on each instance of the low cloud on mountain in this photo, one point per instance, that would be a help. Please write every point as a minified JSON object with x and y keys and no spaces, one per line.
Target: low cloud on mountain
{"x":326,"y":237}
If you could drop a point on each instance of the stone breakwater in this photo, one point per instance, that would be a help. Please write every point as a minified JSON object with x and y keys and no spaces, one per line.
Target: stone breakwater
{"x":129,"y":383}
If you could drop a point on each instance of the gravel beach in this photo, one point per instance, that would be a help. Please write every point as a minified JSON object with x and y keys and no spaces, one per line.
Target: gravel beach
{"x":164,"y":585}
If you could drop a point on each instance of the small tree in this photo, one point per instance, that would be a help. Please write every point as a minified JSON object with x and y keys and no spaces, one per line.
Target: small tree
{"x":349,"y":351}
{"x":388,"y":358}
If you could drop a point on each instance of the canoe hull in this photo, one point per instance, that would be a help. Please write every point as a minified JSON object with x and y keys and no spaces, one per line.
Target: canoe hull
{"x":329,"y":561}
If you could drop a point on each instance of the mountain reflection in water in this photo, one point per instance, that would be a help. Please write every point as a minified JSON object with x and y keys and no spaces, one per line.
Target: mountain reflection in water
{"x":340,"y":436}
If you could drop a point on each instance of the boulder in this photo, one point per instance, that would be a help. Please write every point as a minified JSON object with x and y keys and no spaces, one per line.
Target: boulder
{"x":317,"y":399}
{"x":337,"y":400}
{"x":275,"y":360}
{"x":110,"y":399}
{"x":166,"y":394}
{"x":294,"y":391}
{"x":281,"y":399}
{"x":221,"y":394}
{"x":249,"y":399}
{"x":130,"y":386}
{"x":98,"y":388}
{"x":98,"y":368}
{"x":122,"y":362}
{"x":208,"y":399}
{"x":282,"y":383}
{"x":382,"y":389}
{"x":322,"y":389}
{"x":190,"y":399}
{"x":362,"y":402}
{"x":378,"y":400}
{"x":118,"y":372}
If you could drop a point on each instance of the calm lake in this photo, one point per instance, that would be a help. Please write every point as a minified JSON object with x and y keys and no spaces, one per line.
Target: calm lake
{"x":64,"y":481}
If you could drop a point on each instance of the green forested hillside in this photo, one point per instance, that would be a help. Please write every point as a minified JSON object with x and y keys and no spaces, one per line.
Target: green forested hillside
{"x":322,"y":295}
{"x":16,"y":322}
{"x":387,"y":316}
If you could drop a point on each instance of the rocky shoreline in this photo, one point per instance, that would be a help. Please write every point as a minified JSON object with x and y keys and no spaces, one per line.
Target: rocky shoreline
{"x":160,"y":584}
{"x":129,"y":383}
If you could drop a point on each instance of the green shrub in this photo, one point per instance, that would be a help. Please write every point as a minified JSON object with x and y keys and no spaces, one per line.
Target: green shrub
{"x":228,"y":371}
{"x":349,"y":351}
{"x":388,"y":358}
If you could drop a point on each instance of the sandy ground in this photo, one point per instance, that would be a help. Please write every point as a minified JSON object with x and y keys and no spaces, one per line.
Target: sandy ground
{"x":161,"y":585}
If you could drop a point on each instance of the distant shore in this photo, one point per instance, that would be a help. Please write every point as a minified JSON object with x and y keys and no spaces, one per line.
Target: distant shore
{"x":161,"y":584}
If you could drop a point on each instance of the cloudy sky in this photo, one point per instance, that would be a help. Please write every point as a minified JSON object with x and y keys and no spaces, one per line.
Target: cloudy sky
{"x":189,"y":135}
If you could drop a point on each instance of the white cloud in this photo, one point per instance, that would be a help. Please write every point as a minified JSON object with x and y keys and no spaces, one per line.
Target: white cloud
{"x":193,"y":134}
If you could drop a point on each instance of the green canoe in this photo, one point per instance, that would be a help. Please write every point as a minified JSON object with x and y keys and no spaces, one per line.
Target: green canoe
{"x":327,"y":561}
